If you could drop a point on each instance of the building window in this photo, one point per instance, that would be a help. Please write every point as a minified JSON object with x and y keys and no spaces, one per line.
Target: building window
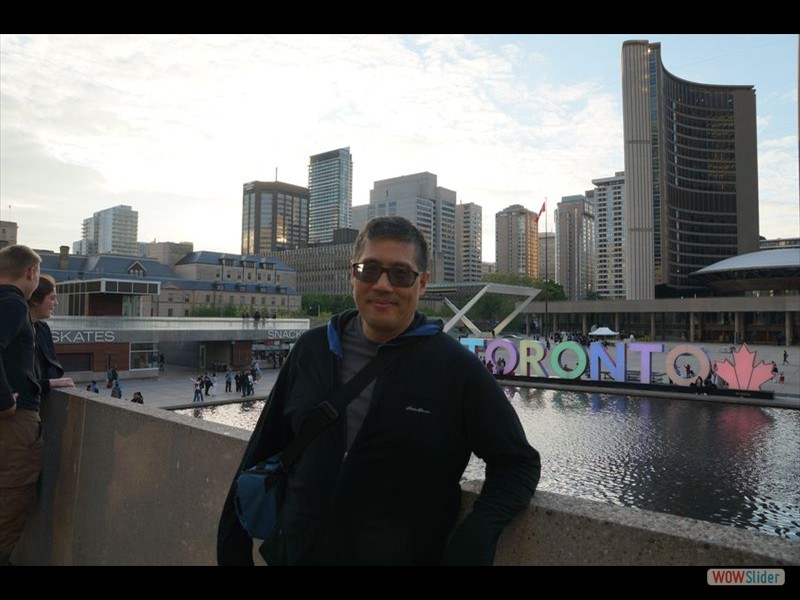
{"x":169,"y":312}
{"x":144,"y":355}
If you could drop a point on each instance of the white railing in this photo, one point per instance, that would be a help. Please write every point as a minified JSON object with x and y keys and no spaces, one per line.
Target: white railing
{"x":61,"y":323}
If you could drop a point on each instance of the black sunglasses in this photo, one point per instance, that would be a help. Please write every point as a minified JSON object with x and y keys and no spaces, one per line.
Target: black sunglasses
{"x":398,"y":276}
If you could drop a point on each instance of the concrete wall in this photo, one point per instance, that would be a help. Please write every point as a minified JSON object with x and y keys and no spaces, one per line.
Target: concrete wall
{"x":128,"y":484}
{"x":136,"y":485}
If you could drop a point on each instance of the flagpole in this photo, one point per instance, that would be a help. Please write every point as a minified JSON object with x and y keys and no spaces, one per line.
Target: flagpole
{"x":546,"y":285}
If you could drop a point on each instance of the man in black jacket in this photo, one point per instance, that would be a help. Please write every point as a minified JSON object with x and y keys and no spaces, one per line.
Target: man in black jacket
{"x":381,"y":484}
{"x":20,"y":429}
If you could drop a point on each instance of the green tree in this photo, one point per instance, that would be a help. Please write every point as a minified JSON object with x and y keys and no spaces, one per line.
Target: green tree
{"x":550,"y":289}
{"x":208,"y":310}
{"x":313,"y":304}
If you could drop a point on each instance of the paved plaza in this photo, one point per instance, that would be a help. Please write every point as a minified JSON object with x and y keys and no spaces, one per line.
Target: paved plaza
{"x":174,"y":386}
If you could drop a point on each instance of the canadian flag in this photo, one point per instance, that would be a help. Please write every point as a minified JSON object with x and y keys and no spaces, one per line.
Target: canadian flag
{"x":544,"y":204}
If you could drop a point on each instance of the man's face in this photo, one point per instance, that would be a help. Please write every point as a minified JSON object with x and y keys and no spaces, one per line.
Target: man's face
{"x":387,"y":310}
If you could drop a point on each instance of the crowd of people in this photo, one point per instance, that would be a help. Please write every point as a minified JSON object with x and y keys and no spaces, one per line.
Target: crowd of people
{"x":245,"y":380}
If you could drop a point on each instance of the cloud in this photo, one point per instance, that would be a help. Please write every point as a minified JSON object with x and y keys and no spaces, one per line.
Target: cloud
{"x":779,"y":212}
{"x":175,"y":124}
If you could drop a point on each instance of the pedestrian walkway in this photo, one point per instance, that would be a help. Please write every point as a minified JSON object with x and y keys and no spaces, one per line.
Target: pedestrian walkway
{"x":175,"y":387}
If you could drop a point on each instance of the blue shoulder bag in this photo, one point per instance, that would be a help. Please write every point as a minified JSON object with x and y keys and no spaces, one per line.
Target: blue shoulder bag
{"x":261,"y":489}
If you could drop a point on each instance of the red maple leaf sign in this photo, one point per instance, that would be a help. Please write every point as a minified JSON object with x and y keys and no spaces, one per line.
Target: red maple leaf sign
{"x":744,"y":373}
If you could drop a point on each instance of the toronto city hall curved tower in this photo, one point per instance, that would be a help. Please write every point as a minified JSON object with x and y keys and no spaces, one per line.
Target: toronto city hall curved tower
{"x":691,"y":174}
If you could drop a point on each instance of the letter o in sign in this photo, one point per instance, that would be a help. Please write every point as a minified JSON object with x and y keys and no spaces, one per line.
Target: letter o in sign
{"x":513,"y":354}
{"x":673,"y":368}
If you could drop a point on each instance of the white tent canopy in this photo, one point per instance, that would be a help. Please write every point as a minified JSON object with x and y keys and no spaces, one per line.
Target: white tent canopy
{"x":603,"y":331}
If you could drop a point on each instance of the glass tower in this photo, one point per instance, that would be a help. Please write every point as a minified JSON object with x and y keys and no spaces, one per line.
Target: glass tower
{"x":330,"y":188}
{"x":274,"y":217}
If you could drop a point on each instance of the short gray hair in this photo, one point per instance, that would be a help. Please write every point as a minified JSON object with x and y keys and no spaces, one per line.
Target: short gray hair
{"x":393,"y":228}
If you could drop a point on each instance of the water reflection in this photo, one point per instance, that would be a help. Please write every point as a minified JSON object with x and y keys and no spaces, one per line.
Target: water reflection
{"x":725,"y":463}
{"x":243,"y":415}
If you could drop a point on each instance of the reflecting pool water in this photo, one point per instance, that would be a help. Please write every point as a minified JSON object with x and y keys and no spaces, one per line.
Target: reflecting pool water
{"x":725,"y":463}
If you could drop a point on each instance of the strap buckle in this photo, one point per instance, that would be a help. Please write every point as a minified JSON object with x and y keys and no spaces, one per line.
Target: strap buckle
{"x":327,"y":409}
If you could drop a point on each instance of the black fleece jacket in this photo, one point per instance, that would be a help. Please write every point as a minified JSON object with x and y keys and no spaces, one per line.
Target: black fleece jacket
{"x":48,"y":365}
{"x":394,"y":498}
{"x":18,"y":373}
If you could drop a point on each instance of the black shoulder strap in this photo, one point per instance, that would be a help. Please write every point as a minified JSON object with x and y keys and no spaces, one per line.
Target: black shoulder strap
{"x":327,"y":412}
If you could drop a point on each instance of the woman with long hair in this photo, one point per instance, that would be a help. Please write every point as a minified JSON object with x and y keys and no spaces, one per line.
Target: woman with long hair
{"x":40,"y":306}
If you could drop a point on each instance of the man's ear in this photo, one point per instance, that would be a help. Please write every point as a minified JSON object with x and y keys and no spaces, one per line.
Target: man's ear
{"x":423,"y":282}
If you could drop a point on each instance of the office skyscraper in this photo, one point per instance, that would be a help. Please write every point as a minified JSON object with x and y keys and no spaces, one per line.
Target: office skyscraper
{"x":359,"y":216}
{"x":330,"y":188}
{"x":691,"y":173}
{"x":430,"y":207}
{"x":274,"y":217}
{"x":609,"y":271}
{"x":110,"y":231}
{"x":547,"y":252}
{"x":517,"y":241}
{"x":574,"y":218}
{"x":469,"y":222}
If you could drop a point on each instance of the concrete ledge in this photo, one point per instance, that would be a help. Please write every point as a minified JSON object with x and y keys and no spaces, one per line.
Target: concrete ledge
{"x":125,"y":484}
{"x":562,"y":530}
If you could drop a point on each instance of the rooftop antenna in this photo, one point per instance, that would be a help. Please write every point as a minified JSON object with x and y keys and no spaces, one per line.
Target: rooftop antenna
{"x":276,"y":173}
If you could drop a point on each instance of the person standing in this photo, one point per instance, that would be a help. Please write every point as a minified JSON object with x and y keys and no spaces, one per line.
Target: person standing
{"x":228,"y":378}
{"x":381,"y":484}
{"x":40,"y":306}
{"x":198,"y":389}
{"x":785,"y":357}
{"x":20,"y":427}
{"x":113,"y":375}
{"x":250,"y":384}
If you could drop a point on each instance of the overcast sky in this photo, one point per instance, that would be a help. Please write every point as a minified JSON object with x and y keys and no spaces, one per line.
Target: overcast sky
{"x":173,"y":125}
